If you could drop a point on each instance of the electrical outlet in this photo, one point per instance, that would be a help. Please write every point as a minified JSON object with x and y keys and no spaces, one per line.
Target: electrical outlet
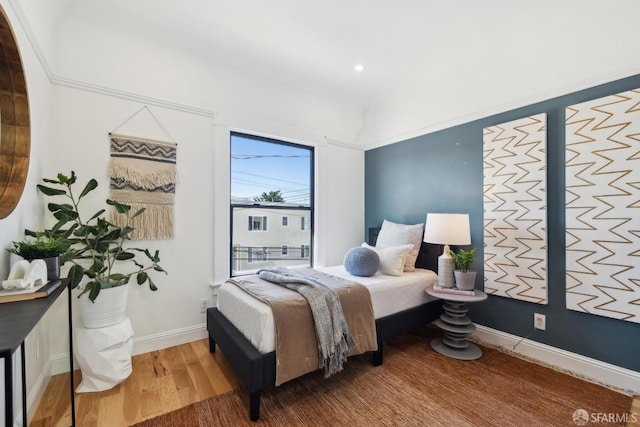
{"x":539,"y":321}
{"x":204,"y":304}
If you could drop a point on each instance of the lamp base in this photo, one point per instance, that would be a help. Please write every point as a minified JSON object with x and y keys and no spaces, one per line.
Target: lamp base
{"x":446,"y":266}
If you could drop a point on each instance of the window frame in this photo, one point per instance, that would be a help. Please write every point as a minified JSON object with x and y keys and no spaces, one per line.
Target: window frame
{"x":311,"y":207}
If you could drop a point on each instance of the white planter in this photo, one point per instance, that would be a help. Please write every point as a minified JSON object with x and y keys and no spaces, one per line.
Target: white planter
{"x":103,"y":355}
{"x":465,"y":281}
{"x":109,"y":308}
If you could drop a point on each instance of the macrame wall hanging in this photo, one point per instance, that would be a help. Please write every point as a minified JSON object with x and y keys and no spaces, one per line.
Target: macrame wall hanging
{"x":143,"y":174}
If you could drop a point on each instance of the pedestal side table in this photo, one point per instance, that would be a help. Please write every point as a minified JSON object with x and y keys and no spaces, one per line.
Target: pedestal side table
{"x":456,"y":325}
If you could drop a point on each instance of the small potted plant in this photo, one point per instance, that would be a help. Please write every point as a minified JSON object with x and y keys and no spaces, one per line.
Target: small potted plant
{"x":99,"y":252}
{"x":45,"y":247}
{"x":465,"y":279}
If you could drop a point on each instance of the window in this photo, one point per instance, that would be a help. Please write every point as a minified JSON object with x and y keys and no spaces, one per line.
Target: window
{"x":304,"y":251}
{"x":257,"y":223}
{"x":305,"y":223}
{"x":271,"y":183}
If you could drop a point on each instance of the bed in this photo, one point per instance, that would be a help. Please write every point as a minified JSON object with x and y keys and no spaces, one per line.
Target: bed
{"x":251,"y":352}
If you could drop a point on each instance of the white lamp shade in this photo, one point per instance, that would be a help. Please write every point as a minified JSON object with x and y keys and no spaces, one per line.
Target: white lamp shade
{"x":447,"y":229}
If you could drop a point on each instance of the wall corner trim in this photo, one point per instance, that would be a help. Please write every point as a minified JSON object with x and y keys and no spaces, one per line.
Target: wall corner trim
{"x":90,"y":87}
{"x":130,"y":96}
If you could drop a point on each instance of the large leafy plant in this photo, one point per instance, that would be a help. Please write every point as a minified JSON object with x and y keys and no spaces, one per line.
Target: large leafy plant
{"x":98,"y":247}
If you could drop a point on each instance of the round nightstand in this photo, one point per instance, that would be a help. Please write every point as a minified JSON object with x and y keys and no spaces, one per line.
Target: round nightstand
{"x":456,"y":325}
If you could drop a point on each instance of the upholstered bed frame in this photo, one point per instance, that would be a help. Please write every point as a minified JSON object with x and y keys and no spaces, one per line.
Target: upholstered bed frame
{"x":258,"y":371}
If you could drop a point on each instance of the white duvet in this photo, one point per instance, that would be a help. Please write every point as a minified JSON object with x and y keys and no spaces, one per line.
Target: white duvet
{"x":389,"y":295}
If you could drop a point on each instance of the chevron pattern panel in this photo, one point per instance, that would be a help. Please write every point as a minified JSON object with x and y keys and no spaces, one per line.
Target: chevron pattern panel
{"x":515,"y":224}
{"x":603,"y":206}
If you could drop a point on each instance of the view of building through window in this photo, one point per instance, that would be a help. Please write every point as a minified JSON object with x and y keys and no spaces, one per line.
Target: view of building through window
{"x":271,"y":204}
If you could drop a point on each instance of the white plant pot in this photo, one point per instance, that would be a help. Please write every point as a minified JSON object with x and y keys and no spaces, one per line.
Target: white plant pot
{"x":109,"y":308}
{"x":465,"y":281}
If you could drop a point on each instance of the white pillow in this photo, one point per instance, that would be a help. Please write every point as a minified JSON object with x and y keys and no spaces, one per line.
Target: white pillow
{"x":392,"y":234}
{"x":391,"y":258}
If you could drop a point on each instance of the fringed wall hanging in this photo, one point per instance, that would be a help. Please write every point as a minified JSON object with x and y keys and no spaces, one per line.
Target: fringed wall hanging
{"x":603,"y":206}
{"x":515,"y":215}
{"x":143,"y":174}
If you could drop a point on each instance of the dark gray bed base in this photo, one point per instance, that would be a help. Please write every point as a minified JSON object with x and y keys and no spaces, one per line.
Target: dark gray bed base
{"x":258,"y":371}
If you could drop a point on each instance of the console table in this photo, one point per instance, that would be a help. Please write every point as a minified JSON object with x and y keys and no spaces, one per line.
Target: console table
{"x":17,"y":320}
{"x":456,"y":325}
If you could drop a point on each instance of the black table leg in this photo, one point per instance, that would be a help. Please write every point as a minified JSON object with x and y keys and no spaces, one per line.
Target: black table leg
{"x":71,"y":382}
{"x":8,"y":390}
{"x":24,"y":385}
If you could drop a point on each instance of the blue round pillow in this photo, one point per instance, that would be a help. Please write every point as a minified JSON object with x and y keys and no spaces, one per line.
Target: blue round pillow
{"x":361,"y":261}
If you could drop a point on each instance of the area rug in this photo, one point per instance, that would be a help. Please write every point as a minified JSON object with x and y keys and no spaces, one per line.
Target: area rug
{"x":417,"y":387}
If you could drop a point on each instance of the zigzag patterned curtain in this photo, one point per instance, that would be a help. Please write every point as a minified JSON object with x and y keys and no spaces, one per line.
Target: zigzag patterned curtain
{"x":143,"y":174}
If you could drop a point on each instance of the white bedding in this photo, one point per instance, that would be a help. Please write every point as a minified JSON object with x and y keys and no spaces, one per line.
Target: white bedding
{"x":389,"y":295}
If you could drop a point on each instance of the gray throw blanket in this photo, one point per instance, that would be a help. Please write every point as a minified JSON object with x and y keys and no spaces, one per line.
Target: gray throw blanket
{"x":334,"y":338}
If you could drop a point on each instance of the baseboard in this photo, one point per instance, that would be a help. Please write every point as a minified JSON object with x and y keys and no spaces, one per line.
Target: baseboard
{"x":592,"y":370}
{"x":169,"y":339}
{"x":59,"y":363}
{"x":145,"y":344}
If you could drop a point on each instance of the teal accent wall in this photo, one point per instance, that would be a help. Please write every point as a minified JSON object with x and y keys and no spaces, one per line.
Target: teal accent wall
{"x":442,"y":172}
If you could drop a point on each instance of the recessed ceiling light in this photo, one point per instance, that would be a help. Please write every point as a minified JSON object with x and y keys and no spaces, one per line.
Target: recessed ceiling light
{"x":359,"y":68}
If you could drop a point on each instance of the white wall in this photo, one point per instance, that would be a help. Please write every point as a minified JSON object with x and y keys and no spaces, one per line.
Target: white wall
{"x":85,"y":81}
{"x":82,"y":121}
{"x":340,"y":202}
{"x":114,"y":54}
{"x":109,"y":73}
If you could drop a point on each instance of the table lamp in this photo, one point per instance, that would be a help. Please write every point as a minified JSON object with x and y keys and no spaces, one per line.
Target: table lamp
{"x":447,"y":229}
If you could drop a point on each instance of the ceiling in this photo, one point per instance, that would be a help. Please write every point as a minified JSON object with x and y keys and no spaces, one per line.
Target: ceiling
{"x":408,"y":47}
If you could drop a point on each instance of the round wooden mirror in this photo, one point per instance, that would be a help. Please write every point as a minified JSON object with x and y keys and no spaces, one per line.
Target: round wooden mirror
{"x":15,"y":130}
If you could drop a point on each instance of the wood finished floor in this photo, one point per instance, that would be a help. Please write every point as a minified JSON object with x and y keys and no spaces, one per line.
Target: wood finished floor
{"x":162,"y":381}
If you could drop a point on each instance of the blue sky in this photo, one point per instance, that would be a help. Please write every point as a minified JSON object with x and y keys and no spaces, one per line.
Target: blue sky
{"x":258,"y":166}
